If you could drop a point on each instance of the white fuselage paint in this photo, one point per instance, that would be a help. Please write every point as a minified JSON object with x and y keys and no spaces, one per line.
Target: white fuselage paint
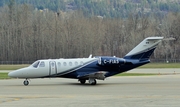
{"x":52,"y":67}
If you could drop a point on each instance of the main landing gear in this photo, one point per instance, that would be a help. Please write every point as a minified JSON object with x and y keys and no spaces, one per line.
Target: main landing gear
{"x":26,"y":82}
{"x":92,"y":81}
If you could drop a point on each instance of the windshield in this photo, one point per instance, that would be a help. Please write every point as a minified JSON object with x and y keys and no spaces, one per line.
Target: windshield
{"x":35,"y":64}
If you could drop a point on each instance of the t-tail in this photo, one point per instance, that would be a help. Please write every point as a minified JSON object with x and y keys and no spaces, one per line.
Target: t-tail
{"x":144,"y":50}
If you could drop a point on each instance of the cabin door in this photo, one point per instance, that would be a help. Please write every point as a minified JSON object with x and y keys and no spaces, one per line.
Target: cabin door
{"x":52,"y":68}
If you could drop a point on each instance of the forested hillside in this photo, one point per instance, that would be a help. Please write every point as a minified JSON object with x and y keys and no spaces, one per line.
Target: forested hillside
{"x":104,"y":8}
{"x":28,"y":34}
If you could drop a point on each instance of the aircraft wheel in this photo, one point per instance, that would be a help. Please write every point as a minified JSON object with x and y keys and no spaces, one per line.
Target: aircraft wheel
{"x":82,"y":81}
{"x":26,"y":82}
{"x":92,"y":81}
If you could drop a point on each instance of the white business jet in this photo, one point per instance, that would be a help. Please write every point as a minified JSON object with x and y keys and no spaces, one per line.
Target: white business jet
{"x":91,"y":68}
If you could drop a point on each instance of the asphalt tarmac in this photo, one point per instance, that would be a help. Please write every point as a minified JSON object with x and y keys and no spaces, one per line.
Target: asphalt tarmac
{"x":131,"y":91}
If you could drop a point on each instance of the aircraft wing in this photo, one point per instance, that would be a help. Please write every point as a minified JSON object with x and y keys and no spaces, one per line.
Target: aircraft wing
{"x":97,"y":75}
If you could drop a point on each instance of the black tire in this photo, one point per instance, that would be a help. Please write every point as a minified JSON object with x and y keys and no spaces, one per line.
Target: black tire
{"x":82,"y":81}
{"x":94,"y":83}
{"x":26,"y":82}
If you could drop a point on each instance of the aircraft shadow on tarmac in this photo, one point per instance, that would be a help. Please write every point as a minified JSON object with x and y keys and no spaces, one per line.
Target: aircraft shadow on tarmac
{"x":103,"y":83}
{"x":87,"y":84}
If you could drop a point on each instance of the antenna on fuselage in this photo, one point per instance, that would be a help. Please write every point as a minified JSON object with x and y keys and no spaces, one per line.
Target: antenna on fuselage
{"x":90,"y":56}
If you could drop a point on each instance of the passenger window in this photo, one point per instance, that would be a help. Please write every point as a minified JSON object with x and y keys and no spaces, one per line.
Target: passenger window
{"x":70,"y":63}
{"x":76,"y":63}
{"x":64,"y":63}
{"x":35,"y":64}
{"x":52,"y":64}
{"x":59,"y":64}
{"x":42,"y":64}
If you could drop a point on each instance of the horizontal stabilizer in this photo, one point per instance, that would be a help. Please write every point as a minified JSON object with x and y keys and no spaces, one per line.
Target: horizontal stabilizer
{"x":171,"y":38}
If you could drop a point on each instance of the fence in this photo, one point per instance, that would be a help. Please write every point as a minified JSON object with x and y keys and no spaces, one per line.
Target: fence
{"x":165,"y":61}
{"x":15,"y":62}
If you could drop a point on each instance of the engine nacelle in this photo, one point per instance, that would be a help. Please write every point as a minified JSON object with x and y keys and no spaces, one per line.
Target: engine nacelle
{"x":105,"y":61}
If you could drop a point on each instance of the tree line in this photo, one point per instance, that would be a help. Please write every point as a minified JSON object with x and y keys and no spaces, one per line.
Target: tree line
{"x":105,"y":8}
{"x":27,"y":34}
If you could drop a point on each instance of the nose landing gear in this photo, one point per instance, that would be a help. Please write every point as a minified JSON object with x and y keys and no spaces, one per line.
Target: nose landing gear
{"x":26,"y":82}
{"x":82,"y":81}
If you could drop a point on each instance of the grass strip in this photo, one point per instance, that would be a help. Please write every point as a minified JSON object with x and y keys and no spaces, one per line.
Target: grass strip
{"x":161,"y":65}
{"x":4,"y":76}
{"x":136,"y":74}
{"x":150,"y":65}
{"x":12,"y":67}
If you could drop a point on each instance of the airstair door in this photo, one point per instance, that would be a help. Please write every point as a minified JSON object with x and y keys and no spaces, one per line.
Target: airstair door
{"x":52,"y":68}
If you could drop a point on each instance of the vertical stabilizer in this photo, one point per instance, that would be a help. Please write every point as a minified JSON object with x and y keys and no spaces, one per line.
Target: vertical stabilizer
{"x":144,"y":49}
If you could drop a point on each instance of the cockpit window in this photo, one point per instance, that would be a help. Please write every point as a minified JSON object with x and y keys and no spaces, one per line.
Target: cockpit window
{"x":42,"y":64}
{"x":35,"y":65}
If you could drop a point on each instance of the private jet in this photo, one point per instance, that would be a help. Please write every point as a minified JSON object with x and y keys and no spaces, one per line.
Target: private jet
{"x":91,"y":68}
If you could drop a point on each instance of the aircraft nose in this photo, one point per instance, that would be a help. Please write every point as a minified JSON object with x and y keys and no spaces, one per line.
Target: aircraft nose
{"x":14,"y":74}
{"x":11,"y":74}
{"x":19,"y":73}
